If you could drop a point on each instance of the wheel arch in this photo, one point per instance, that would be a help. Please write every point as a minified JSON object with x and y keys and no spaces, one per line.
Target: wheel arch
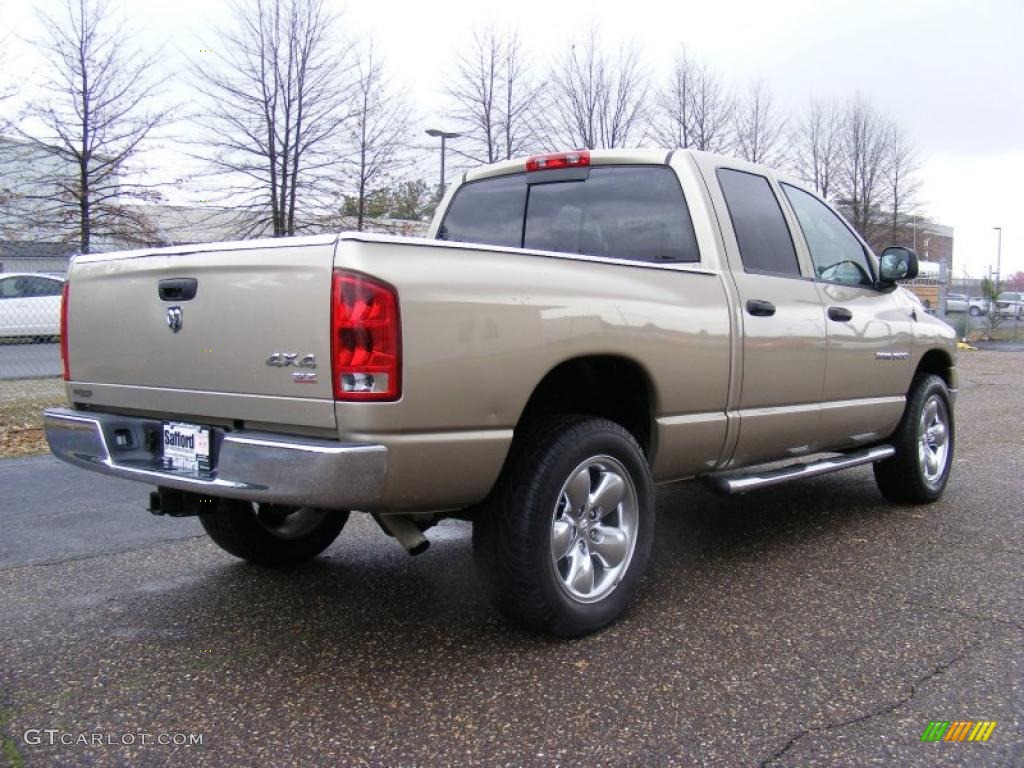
{"x":614,"y":387}
{"x":938,"y":362}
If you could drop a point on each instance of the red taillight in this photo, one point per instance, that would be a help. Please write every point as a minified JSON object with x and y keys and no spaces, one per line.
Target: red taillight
{"x":365,"y":338}
{"x":578,"y":159}
{"x":65,"y":292}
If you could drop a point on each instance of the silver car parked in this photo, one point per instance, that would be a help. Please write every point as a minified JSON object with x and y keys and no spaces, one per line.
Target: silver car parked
{"x":1010,"y":303}
{"x":956,"y":302}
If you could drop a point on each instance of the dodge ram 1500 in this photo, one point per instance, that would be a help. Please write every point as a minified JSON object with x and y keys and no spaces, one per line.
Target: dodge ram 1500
{"x":577,"y":327}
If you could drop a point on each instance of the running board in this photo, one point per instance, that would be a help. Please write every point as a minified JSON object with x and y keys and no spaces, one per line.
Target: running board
{"x":749,"y":481}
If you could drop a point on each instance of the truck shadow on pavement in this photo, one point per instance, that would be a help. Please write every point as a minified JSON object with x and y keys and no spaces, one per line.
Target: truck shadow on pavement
{"x":365,"y":587}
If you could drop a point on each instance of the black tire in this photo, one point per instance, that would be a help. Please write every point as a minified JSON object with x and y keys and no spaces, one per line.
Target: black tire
{"x":974,"y":312}
{"x":271,"y":535}
{"x":514,"y":534}
{"x":908,"y":476}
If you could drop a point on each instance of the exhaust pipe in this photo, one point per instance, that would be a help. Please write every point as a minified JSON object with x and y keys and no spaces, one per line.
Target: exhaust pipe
{"x":405,"y":531}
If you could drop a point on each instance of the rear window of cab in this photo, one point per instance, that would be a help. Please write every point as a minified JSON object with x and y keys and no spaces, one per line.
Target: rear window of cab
{"x":635,"y":213}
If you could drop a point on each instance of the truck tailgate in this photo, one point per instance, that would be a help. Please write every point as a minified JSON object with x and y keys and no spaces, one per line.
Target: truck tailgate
{"x":251,"y":301}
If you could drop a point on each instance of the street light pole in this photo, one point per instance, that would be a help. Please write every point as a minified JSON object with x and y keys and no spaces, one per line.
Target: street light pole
{"x":999,"y":255}
{"x":444,"y":136}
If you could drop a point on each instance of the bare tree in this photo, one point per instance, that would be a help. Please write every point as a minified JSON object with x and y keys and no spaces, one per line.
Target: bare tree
{"x":378,"y":131}
{"x":80,"y":136}
{"x":712,"y":110}
{"x":757,"y":125}
{"x":596,"y":100}
{"x":693,"y":109}
{"x":673,"y":123}
{"x":492,"y":91}
{"x":861,"y":183}
{"x":900,"y":179}
{"x":8,"y":183}
{"x":816,"y":146}
{"x":8,"y":86}
{"x":277,"y":91}
{"x":9,"y":82}
{"x":474,"y":92}
{"x":520,"y":90}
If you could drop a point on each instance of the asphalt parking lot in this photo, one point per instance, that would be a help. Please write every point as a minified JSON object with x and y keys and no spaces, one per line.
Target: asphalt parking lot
{"x":20,"y":359}
{"x":804,"y":625}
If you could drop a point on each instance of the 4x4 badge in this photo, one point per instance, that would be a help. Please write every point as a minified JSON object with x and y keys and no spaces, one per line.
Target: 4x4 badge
{"x":288,"y":359}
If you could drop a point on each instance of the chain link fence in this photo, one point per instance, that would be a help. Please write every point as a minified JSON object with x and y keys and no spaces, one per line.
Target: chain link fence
{"x":31,"y":285}
{"x":31,"y":281}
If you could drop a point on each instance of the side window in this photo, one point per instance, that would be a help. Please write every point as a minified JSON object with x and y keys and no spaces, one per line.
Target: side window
{"x":837,"y":254}
{"x":14,"y":288}
{"x":489,"y":211}
{"x":620,"y":212}
{"x":42,"y":286}
{"x":761,"y":230}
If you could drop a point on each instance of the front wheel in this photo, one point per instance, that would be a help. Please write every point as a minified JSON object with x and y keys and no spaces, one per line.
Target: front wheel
{"x":269,"y":534}
{"x":924,"y":442}
{"x":975,"y":312}
{"x":564,"y":542}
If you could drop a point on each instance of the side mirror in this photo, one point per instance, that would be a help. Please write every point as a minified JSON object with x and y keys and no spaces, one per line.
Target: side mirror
{"x":897,"y":263}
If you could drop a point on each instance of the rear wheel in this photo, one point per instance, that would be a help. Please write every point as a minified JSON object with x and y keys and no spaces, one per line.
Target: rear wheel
{"x":269,"y":534}
{"x":924,"y":443}
{"x":566,"y":539}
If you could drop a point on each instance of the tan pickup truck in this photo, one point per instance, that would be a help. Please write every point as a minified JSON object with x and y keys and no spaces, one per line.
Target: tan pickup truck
{"x":578,"y":327}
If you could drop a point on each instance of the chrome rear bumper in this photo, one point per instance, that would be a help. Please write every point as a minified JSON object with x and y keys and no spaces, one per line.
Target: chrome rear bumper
{"x":256,"y":466}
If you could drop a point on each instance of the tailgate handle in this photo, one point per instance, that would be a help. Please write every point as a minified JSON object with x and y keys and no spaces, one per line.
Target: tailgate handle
{"x":178,"y":288}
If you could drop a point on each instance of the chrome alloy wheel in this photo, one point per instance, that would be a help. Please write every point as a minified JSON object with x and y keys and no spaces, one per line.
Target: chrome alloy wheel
{"x":594,"y":529}
{"x":933,"y":439}
{"x":288,"y":522}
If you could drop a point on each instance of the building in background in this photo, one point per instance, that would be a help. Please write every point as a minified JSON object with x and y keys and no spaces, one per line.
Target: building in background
{"x":934,"y":242}
{"x":30,"y":174}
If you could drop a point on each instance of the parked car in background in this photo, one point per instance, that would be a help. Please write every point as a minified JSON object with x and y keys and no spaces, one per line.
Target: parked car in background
{"x":956,"y":302}
{"x":977,"y":306}
{"x":1010,"y":303}
{"x":30,"y":305}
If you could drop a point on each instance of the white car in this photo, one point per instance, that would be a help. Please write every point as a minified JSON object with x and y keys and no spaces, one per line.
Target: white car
{"x":956,"y":302}
{"x":30,"y":304}
{"x":1010,"y":303}
{"x":977,"y":306}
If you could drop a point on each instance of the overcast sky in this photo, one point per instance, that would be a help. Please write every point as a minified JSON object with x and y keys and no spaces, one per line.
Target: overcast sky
{"x":950,"y":71}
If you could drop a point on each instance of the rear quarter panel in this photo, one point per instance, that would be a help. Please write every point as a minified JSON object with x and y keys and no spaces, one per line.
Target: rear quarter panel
{"x":482,"y":327}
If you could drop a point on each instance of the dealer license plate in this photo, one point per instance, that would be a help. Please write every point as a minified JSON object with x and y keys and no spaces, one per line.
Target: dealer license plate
{"x":186,"y":448}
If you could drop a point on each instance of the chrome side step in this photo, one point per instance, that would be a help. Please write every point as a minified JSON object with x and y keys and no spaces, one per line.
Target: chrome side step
{"x":741,"y":482}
